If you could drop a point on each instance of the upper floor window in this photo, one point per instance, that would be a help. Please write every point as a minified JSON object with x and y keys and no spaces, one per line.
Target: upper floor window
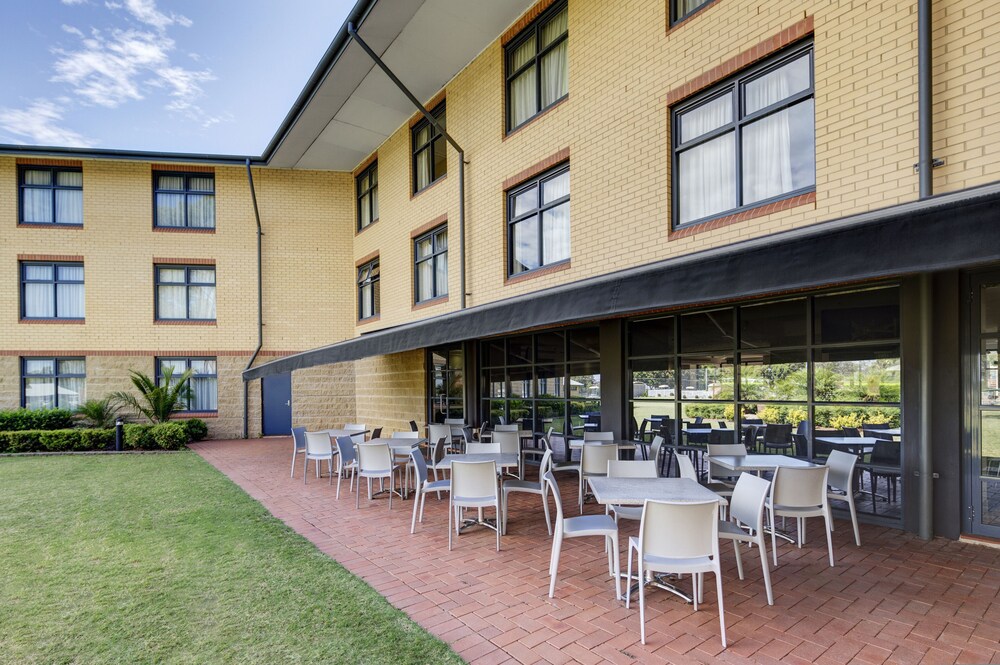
{"x":52,"y":291}
{"x":185,"y":293}
{"x":538,"y":222}
{"x":367,"y":192}
{"x":430,"y":159}
{"x":51,"y":195}
{"x":203,"y":386}
{"x":184,"y":200}
{"x":431,"y":264}
{"x":537,"y":66}
{"x":746,"y":142}
{"x":681,"y":9}
{"x":53,"y":383}
{"x":368,"y":290}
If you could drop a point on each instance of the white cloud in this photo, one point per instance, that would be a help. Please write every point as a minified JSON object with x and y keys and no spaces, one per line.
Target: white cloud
{"x":40,"y":124}
{"x":74,"y":2}
{"x":145,"y":11}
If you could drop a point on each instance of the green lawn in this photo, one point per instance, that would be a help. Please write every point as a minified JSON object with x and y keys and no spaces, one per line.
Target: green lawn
{"x":160,"y":558}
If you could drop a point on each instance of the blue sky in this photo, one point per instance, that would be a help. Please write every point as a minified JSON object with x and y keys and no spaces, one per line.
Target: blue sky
{"x":210,"y":76}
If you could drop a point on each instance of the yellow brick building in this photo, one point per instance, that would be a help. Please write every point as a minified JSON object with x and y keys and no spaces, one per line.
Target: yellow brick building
{"x":623,"y":95}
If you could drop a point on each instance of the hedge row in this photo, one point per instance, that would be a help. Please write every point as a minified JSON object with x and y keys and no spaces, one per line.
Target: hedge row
{"x":36,"y":419}
{"x":164,"y":436}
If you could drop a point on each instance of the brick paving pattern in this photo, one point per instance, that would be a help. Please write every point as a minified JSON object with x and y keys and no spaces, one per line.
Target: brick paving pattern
{"x":896,"y":599}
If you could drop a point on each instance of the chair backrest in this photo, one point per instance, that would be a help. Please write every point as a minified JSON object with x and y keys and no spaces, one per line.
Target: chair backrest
{"x":821,"y":449}
{"x":502,"y":420}
{"x":841,"y":467}
{"x":413,"y":426}
{"x":699,"y":420}
{"x":799,"y":488}
{"x":778,"y":433}
{"x":435,"y":432}
{"x":299,"y":437}
{"x":508,"y":442}
{"x":679,"y":530}
{"x":887,"y":454}
{"x":406,"y":435}
{"x":875,"y":426}
{"x":549,"y":478}
{"x":685,"y":467}
{"x":420,"y":466}
{"x":631,"y":469}
{"x":803,"y":428}
{"x":750,"y":436}
{"x":468,"y":435}
{"x":474,"y":480}
{"x":747,"y":503}
{"x":723,"y":424}
{"x":721,"y":436}
{"x":377,"y":433}
{"x":594,"y":458}
{"x":477,"y":448}
{"x":513,"y":427}
{"x":356,"y":427}
{"x":345,"y":446}
{"x":598,"y":436}
{"x":546,"y":463}
{"x":656,"y":449}
{"x":374,"y":457}
{"x":852,"y":432}
{"x":438,"y":450}
{"x":318,"y":443}
{"x":639,"y":431}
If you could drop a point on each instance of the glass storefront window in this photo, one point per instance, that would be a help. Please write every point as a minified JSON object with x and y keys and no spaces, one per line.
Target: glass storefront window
{"x":446,"y":392}
{"x":774,"y":375}
{"x":706,"y":377}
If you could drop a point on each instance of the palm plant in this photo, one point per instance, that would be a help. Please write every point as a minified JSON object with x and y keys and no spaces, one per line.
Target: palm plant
{"x":100,"y":413}
{"x":156,"y":402}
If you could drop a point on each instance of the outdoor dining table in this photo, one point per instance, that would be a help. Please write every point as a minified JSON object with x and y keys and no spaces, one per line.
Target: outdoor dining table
{"x":853,"y":444}
{"x":756,"y":462}
{"x":892,"y":431}
{"x":334,"y":433}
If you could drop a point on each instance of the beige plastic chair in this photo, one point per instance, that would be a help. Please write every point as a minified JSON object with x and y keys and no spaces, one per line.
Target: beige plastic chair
{"x":473,"y":485}
{"x":318,"y":448}
{"x":581,"y":527}
{"x":375,"y":463}
{"x":589,"y":435}
{"x":800,"y":493}
{"x":840,"y":485}
{"x":594,"y":458}
{"x":509,"y":443}
{"x":356,"y":427}
{"x":423,"y":487}
{"x":630,"y":469}
{"x":746,"y":523}
{"x":530,"y":487}
{"x":680,"y":538}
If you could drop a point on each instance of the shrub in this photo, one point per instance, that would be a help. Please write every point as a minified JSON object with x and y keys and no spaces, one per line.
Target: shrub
{"x":100,"y":413}
{"x":35,"y":419}
{"x":24,"y":441}
{"x":60,"y":440}
{"x":97,"y":439}
{"x":169,"y":436}
{"x":196,"y":429}
{"x":138,"y":437}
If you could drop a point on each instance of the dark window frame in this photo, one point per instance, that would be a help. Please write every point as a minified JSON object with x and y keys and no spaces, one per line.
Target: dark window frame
{"x":676,"y":18}
{"x":55,"y":282}
{"x":372,"y":191}
{"x":735,"y":84}
{"x":158,"y":369}
{"x":366,"y":278}
{"x":511,"y":194}
{"x":187,"y":191}
{"x":532,"y":31}
{"x":55,"y":376}
{"x":187,"y":289}
{"x":433,"y":234}
{"x":439,"y":113}
{"x":52,"y":186}
{"x":442,"y":403}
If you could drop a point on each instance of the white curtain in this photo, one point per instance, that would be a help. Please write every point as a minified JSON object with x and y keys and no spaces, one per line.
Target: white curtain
{"x":365,"y":210}
{"x":172,"y":302}
{"x":36,"y":204}
{"x":204,"y":394}
{"x":685,"y":7}
{"x":703,"y":119}
{"x":423,"y":164}
{"x":39,"y":393}
{"x":441,"y":269}
{"x":708,"y":178}
{"x":72,"y":392}
{"x":202,"y":302}
{"x":523,"y":102}
{"x":555,"y":234}
{"x":201,"y":211}
{"x":365,"y":294}
{"x":555,"y":63}
{"x":69,"y":206}
{"x":169,"y":209}
{"x":70,"y":299}
{"x":425,"y":280}
{"x":525,"y":244}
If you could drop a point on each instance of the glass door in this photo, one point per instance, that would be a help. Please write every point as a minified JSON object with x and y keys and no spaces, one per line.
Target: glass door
{"x":983,"y":468}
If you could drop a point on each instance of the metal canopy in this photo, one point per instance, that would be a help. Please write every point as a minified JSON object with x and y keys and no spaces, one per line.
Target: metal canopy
{"x":945,"y":232}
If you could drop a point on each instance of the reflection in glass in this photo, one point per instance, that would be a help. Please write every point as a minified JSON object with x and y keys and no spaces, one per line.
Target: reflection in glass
{"x":653,"y":378}
{"x":651,"y":337}
{"x":773,"y":324}
{"x":550,"y":347}
{"x":859,"y":374}
{"x":707,"y":331}
{"x":521,"y":382}
{"x":497,"y":384}
{"x":860,"y":316}
{"x":706,"y":377}
{"x":551,"y":381}
{"x":519,"y":350}
{"x":778,"y":375}
{"x":584,"y":344}
{"x":585,"y":381}
{"x":988,"y":373}
{"x":990,"y":305}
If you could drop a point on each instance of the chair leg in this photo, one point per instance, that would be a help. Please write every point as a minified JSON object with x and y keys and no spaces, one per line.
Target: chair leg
{"x":545,"y":508}
{"x":329,"y":468}
{"x":854,"y":519}
{"x":554,"y":563}
{"x":762,"y":548}
{"x":295,"y":455}
{"x":628,"y":576}
{"x":618,"y":567}
{"x":506,"y":498}
{"x":581,"y":492}
{"x":413,"y":520}
{"x":497,"y":506}
{"x":642,"y":599}
{"x":829,"y":536}
{"x":451,"y":514}
{"x":305,"y":471}
{"x":722,"y":612}
{"x":774,"y":540}
{"x":739,"y":558}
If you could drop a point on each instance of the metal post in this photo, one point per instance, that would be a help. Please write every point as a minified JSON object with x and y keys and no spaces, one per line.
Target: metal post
{"x":119,"y":434}
{"x":924,"y":468}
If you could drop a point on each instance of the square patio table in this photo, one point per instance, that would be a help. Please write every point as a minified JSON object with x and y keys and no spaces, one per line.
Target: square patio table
{"x":892,"y":431}
{"x":635,"y":491}
{"x":758,"y":462}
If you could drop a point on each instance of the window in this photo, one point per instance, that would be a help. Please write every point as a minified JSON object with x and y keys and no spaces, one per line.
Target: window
{"x":51,"y":195}
{"x":203,"y":385}
{"x":52,"y":291}
{"x":747,"y":142}
{"x":431,"y":258}
{"x":537,"y":66}
{"x":538,"y":222}
{"x":51,"y":383}
{"x":446,"y":394}
{"x":185,"y":293}
{"x":367,"y":192}
{"x":430,"y":160}
{"x":368,"y":292}
{"x":681,"y":9}
{"x":184,"y":200}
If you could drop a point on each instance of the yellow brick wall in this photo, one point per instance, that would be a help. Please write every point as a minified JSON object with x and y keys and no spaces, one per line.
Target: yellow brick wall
{"x":391,"y":391}
{"x":323,"y":397}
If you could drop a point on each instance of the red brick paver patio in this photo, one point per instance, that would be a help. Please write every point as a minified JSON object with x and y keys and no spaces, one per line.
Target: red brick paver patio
{"x":896,"y":599}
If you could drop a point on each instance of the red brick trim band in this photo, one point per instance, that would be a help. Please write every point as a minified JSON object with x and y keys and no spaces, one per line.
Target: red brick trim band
{"x":196,"y":414}
{"x":183,"y":262}
{"x":182,"y":322}
{"x":64,"y":322}
{"x":526,"y":18}
{"x":138,"y":353}
{"x":729,"y":67}
{"x":440,"y":300}
{"x":365,"y":163}
{"x":424,"y":228}
{"x":74,"y":258}
{"x":183,"y":168}
{"x":42,"y":161}
{"x":182,"y":229}
{"x":29,"y":225}
{"x":535,"y":169}
{"x":547,"y":270}
{"x":742,"y":216}
{"x":368,"y":258}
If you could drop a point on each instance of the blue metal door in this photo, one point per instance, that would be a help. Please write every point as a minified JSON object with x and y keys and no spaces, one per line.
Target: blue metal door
{"x":276,"y":398}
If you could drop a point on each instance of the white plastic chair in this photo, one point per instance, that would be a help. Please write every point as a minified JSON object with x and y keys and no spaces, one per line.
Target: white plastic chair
{"x":509,"y":443}
{"x":530,"y":487}
{"x":589,"y":435}
{"x":375,"y":463}
{"x":405,"y":435}
{"x":347,"y":461}
{"x":800,"y":493}
{"x":685,"y":468}
{"x":477,"y":448}
{"x":594,"y":458}
{"x":435,"y":432}
{"x":298,"y":445}
{"x":678,"y":538}
{"x":841,"y":485}
{"x":424,"y":486}
{"x":318,"y":448}
{"x":503,"y":427}
{"x":581,"y":527}
{"x":356,"y":427}
{"x":558,"y":441}
{"x":746,"y":512}
{"x":630,"y":469}
{"x":473,"y":485}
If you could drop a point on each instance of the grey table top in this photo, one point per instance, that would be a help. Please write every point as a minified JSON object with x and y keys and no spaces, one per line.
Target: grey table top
{"x":344,"y":432}
{"x":635,"y":491}
{"x":503,"y":460}
{"x":892,"y":431}
{"x":757,"y":462}
{"x":851,"y":441}
{"x":397,"y":445}
{"x":623,"y":444}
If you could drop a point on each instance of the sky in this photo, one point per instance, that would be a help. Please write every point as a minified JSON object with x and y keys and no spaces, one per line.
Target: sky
{"x":203,"y":76}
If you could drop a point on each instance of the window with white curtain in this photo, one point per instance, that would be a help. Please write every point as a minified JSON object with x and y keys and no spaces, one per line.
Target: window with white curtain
{"x":537,"y":66}
{"x":52,"y":290}
{"x":538,"y":222}
{"x":184,"y":200}
{"x":430,"y":157}
{"x":53,"y":383}
{"x":368,"y":290}
{"x":430,"y":274}
{"x":51,"y":195}
{"x":185,"y":292}
{"x":203,"y":386}
{"x":367,"y":192}
{"x":681,"y":9}
{"x":746,"y":142}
